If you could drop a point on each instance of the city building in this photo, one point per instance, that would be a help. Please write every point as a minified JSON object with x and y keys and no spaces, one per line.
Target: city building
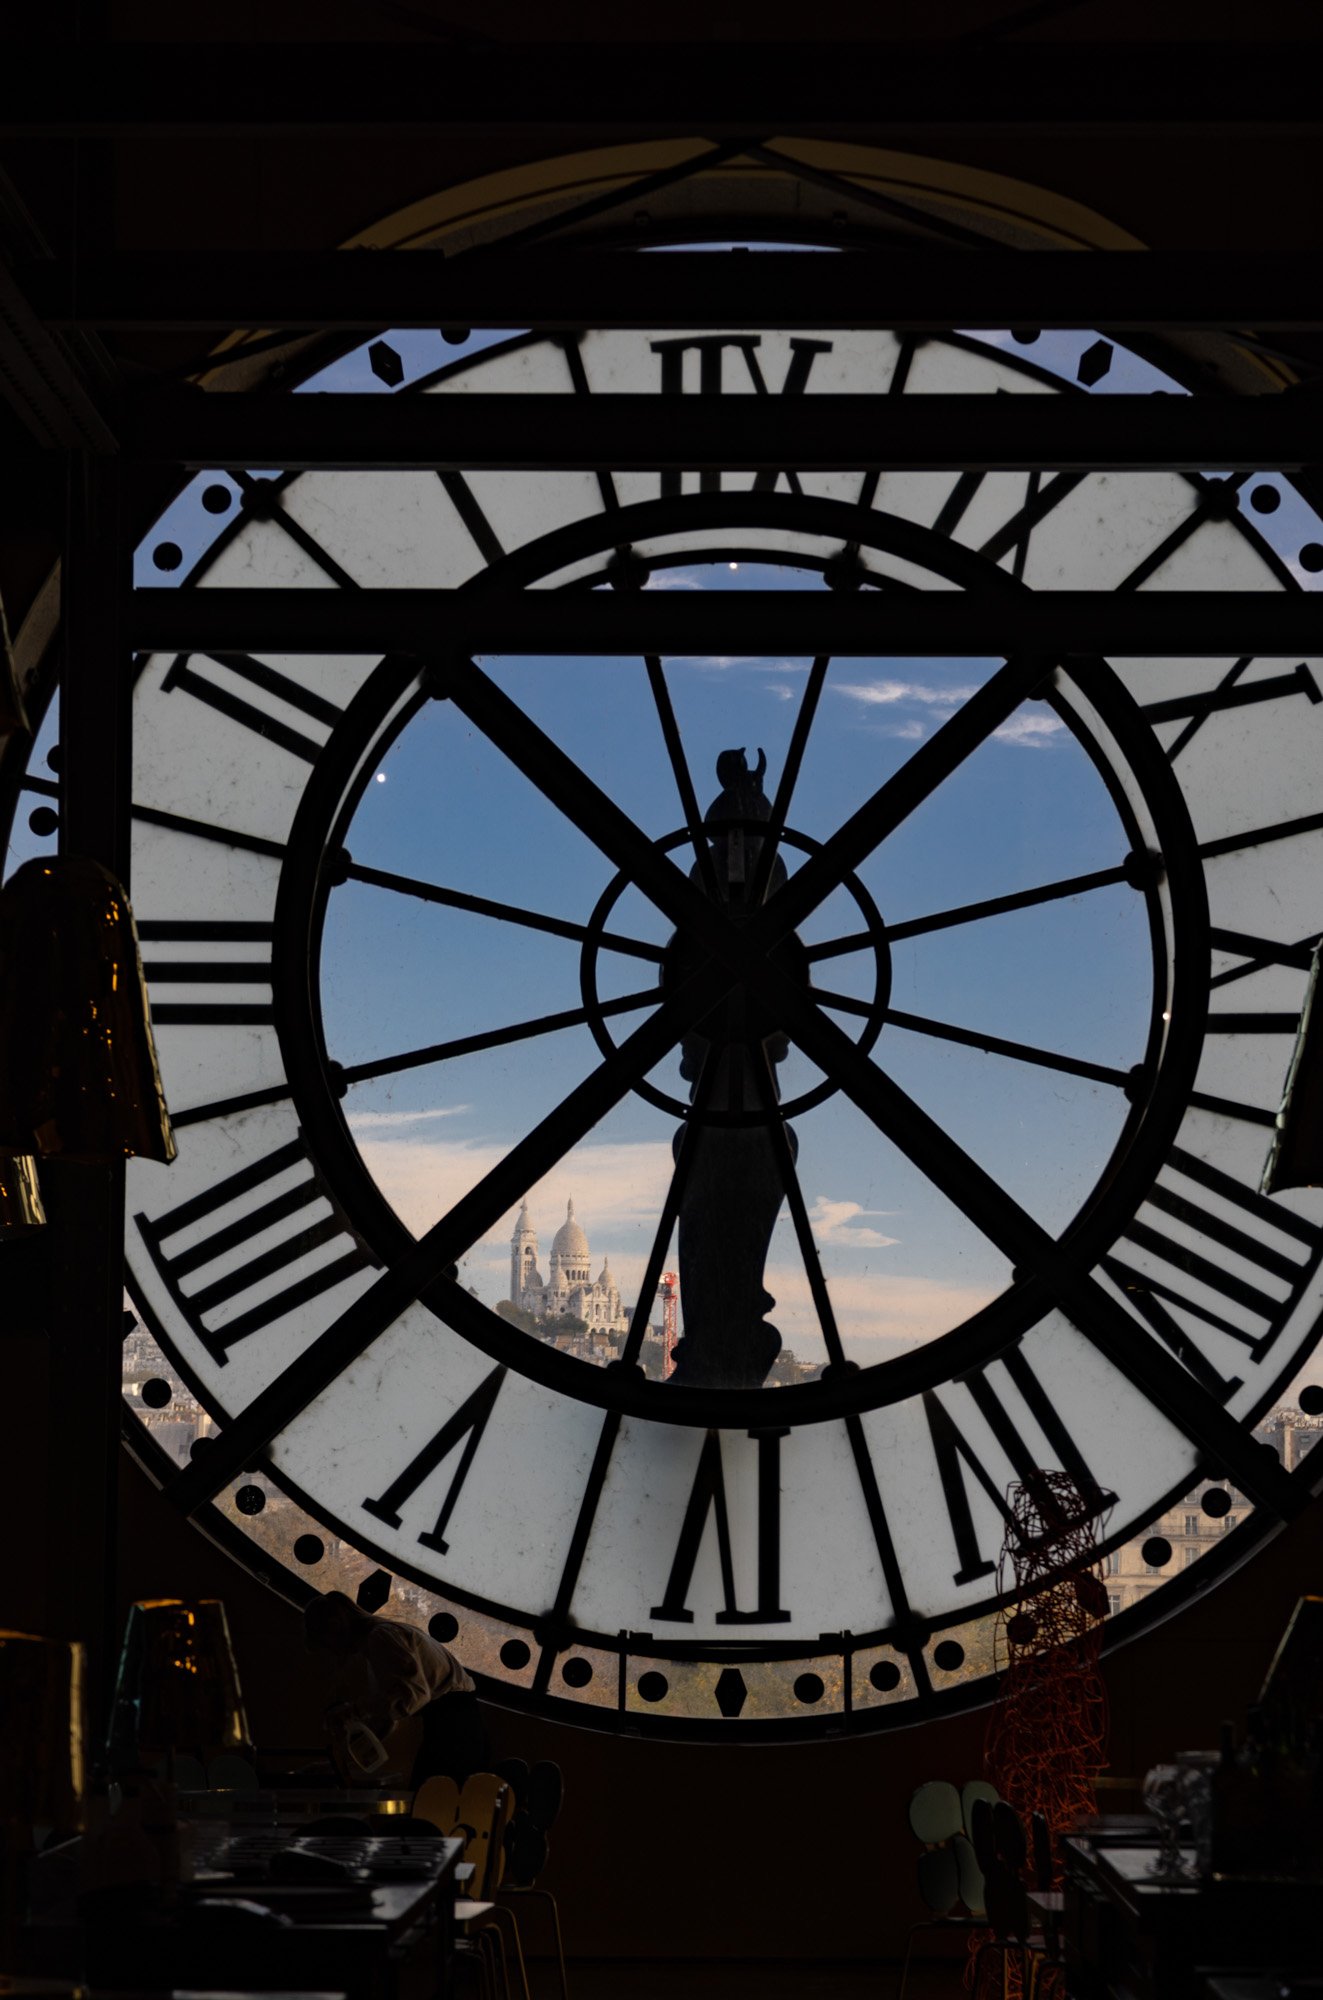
{"x":569,"y":1290}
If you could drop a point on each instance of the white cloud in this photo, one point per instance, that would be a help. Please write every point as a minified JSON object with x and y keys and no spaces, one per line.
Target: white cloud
{"x":884,"y":694}
{"x":835,"y":1222}
{"x":376,"y":1121}
{"x":673,"y":579}
{"x":723,"y":660}
{"x":1033,"y":731}
{"x":873,"y":1312}
{"x":909,"y":732}
{"x":614,"y":1187}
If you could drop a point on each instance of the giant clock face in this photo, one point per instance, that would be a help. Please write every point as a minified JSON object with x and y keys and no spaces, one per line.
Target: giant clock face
{"x":960,"y":1022}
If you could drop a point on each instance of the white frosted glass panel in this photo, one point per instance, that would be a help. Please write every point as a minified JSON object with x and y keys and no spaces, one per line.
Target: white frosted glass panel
{"x":941,"y":369}
{"x":1101,"y":530}
{"x":1216,"y":557}
{"x":516,"y":1507}
{"x":389,"y":530}
{"x":830,"y":1575}
{"x":261,"y":556}
{"x":528,"y":368}
{"x":243,"y":771}
{"x":1253,"y":767}
{"x":521,"y":506}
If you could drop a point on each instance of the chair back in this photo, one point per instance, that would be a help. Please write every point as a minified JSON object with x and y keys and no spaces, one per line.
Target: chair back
{"x":486,"y":1806}
{"x":478,"y":1815}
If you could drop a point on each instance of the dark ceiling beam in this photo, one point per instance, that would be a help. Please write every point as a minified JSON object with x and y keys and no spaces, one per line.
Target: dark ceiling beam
{"x":560,"y":290}
{"x":780,"y":623}
{"x":511,"y":432}
{"x":42,"y":382}
{"x":717,"y":88}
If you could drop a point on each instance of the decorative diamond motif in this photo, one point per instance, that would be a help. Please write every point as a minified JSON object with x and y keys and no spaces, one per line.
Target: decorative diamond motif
{"x":732,"y":1691}
{"x":373,"y":1590}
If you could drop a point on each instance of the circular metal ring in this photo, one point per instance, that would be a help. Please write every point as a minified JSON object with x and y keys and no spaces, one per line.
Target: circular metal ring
{"x":806,"y":1100}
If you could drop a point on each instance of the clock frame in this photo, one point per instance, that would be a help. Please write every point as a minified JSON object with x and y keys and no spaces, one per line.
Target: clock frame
{"x":855,"y":1670}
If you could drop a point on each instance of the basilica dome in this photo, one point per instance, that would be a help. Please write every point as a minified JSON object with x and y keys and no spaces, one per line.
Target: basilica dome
{"x":570,"y":1244}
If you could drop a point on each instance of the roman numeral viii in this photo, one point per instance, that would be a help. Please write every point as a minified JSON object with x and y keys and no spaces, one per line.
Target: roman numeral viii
{"x":240,"y":955}
{"x":958,"y":1460}
{"x":196,"y":1248}
{"x":707,"y":1497}
{"x":250,"y":692}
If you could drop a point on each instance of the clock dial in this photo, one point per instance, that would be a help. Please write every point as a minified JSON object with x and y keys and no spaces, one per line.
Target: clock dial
{"x":951,"y":1009}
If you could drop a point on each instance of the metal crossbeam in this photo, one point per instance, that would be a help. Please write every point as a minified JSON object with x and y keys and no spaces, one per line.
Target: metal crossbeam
{"x":510,"y":432}
{"x":710,"y":87}
{"x":1120,"y":290}
{"x":785,"y":623}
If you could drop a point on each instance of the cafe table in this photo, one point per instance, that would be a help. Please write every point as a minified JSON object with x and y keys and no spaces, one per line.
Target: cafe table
{"x":273,"y":1907}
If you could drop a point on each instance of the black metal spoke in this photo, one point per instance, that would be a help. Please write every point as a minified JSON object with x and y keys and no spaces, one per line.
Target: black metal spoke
{"x":1031,"y":1250}
{"x":785,"y":790}
{"x":799,"y":1216}
{"x":996,"y":1045}
{"x":295,"y":530}
{"x":245,"y":1437}
{"x":666,"y":1221}
{"x":229,"y":1107}
{"x":494,"y":1038}
{"x":1014,"y":532}
{"x":684,"y":783}
{"x":507,"y":913}
{"x":201,"y":829}
{"x":916,"y":780}
{"x":1211,"y":504}
{"x":972,"y":913}
{"x":566,"y":786}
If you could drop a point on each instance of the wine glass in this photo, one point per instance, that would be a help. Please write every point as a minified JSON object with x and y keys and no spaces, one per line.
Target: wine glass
{"x":1165,"y":1796}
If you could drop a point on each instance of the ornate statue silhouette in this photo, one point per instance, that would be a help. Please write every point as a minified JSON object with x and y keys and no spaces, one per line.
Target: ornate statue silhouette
{"x":733,"y":1189}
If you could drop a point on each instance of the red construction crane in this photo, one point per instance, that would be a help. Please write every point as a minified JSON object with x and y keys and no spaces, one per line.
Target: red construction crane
{"x":669,"y":1291}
